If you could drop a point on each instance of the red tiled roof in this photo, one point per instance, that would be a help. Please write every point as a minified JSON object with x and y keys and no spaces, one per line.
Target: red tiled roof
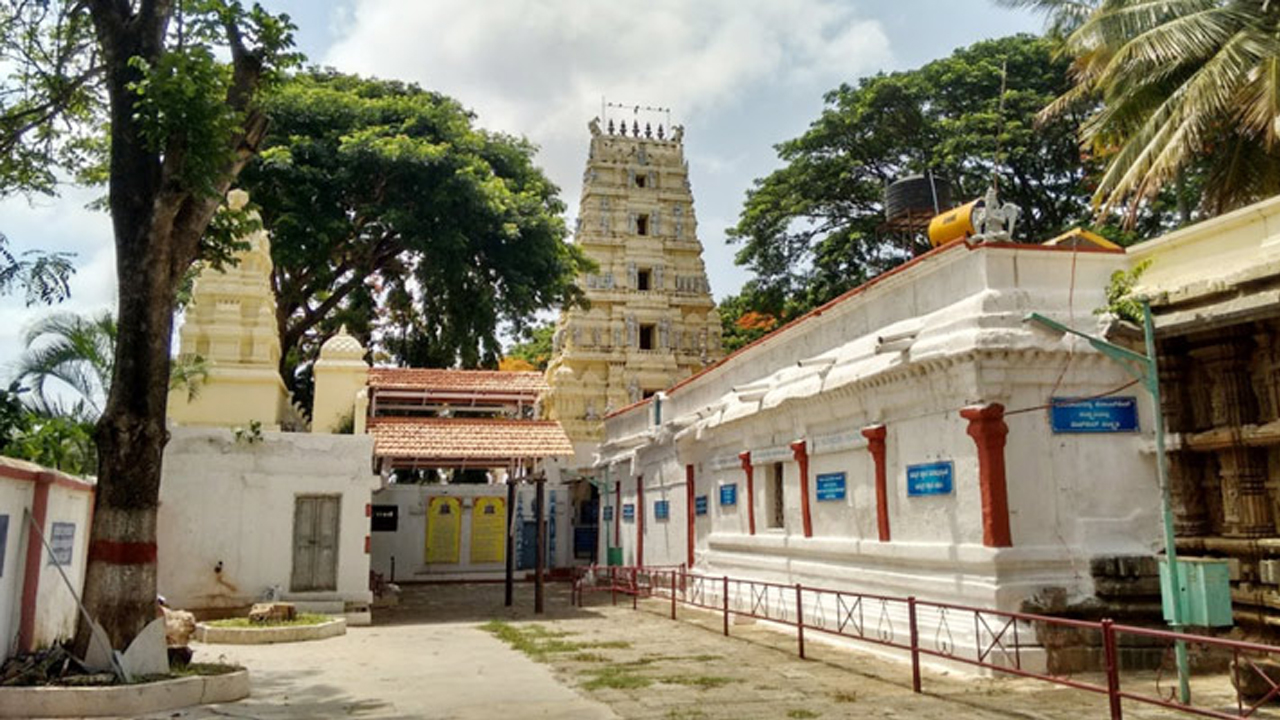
{"x":482,"y":381}
{"x":467,"y":438}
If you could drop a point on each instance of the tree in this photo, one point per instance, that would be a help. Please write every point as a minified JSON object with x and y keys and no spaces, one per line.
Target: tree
{"x":177,"y":84}
{"x":390,"y":211}
{"x":1175,"y":88}
{"x":810,"y":230}
{"x":79,"y":351}
{"x":44,"y":277}
{"x":536,"y":348}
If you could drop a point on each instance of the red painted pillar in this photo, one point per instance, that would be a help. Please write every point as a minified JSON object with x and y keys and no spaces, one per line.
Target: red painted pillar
{"x":751,"y":491}
{"x":800,"y":450}
{"x":875,"y":435}
{"x":987,"y":428}
{"x":639,"y":521}
{"x":690,"y":496}
{"x":31,"y":571}
{"x":617,"y":513}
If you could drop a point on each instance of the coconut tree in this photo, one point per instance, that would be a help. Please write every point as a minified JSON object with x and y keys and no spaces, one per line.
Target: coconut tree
{"x":1177,"y":86}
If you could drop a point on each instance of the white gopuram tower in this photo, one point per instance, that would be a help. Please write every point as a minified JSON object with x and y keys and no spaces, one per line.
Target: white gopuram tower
{"x":652,"y":321}
{"x":231,"y":324}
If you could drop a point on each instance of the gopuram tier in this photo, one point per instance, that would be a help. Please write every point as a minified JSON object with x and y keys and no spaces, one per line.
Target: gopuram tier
{"x":651,"y":320}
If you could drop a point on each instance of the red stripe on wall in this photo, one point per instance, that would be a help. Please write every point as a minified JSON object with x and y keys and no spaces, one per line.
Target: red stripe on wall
{"x":31,"y":571}
{"x":751,"y":491}
{"x":800,"y":450}
{"x":640,"y":520}
{"x":113,"y":552}
{"x":875,"y":436}
{"x":690,"y":501}
{"x":988,"y":430}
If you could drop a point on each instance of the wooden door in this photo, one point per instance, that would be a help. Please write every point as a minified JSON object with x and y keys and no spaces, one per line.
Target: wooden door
{"x":315,"y":543}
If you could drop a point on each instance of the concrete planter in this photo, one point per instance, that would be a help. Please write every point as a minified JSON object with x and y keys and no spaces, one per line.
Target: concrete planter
{"x":215,"y":635}
{"x":123,"y":700}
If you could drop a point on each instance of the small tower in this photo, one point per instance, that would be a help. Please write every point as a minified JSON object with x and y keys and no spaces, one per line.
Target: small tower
{"x":340,"y":374}
{"x":231,"y":324}
{"x":652,"y":321}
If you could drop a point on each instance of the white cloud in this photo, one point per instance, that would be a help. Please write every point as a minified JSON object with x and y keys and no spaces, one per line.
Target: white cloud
{"x":58,"y":224}
{"x":740,"y":74}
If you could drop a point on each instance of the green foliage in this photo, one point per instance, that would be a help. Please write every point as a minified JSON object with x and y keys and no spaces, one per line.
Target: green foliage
{"x":810,"y":230}
{"x":44,"y":277}
{"x":75,"y":349}
{"x":298,"y":620}
{"x":536,"y":347}
{"x":740,"y":324}
{"x":390,"y":210}
{"x":250,"y":434}
{"x":1175,"y":90}
{"x":1121,"y":301}
{"x":79,"y":351}
{"x":59,"y":442}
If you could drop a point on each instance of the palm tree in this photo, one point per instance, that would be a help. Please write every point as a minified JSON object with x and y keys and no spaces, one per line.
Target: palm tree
{"x":79,"y":351}
{"x":1179,"y":86}
{"x":75,"y":349}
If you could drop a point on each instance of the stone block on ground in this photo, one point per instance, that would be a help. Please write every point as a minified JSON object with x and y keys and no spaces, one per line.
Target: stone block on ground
{"x":272,"y":612}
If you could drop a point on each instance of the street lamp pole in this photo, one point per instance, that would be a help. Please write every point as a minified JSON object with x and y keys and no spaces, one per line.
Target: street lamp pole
{"x":1144,"y":369}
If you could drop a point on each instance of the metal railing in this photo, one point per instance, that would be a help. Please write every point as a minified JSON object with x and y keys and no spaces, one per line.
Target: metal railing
{"x":1000,"y":641}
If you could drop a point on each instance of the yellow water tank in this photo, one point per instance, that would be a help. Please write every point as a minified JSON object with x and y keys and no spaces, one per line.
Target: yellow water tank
{"x":953,"y":224}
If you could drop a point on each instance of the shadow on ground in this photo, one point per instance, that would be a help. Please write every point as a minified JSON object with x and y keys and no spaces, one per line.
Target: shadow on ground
{"x":426,"y":603}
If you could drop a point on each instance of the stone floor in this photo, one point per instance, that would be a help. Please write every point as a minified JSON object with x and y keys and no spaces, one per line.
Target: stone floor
{"x":430,"y":658}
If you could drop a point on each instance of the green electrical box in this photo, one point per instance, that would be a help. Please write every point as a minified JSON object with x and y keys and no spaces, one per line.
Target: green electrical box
{"x":615,"y":556}
{"x":1205,"y":592}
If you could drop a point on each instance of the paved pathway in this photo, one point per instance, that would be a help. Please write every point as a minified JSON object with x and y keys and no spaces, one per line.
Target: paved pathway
{"x":449,"y":670}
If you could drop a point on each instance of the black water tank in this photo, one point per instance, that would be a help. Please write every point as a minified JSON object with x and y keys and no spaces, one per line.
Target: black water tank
{"x":915,"y":194}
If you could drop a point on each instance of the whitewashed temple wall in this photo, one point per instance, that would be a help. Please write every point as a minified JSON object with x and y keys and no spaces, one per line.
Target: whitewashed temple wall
{"x":907,"y":351}
{"x":407,"y":544}
{"x":232,"y":503}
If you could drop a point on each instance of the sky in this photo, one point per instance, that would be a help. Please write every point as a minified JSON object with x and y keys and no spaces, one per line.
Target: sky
{"x":740,"y":75}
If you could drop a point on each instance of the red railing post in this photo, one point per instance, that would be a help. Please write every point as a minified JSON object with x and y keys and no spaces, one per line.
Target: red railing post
{"x":725,"y":595}
{"x":800,"y":618}
{"x":915,"y":644}
{"x":673,"y":594}
{"x":613,"y":584}
{"x":1111,"y":657}
{"x":635,"y":590}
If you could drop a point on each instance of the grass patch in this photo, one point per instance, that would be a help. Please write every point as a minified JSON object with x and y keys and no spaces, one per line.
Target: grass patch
{"x":651,"y":659}
{"x":674,"y":714}
{"x":705,"y":682}
{"x":844,"y":697}
{"x":615,"y":677}
{"x":189,"y":670}
{"x":299,"y":619}
{"x":802,"y":714}
{"x":539,"y":643}
{"x":589,"y":657}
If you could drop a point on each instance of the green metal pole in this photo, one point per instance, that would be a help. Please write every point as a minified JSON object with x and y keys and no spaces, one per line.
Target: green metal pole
{"x":1152,"y":382}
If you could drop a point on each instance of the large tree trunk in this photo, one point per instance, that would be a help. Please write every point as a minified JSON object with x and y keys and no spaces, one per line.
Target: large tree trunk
{"x":120,"y":587}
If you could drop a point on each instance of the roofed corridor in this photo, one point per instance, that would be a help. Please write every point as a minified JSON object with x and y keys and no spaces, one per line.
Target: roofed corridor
{"x":432,"y":657}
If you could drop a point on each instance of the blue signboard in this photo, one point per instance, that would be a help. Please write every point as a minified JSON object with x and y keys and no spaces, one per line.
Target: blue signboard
{"x":700,"y":505}
{"x":628,"y":512}
{"x":930,"y":479}
{"x":661,"y":509}
{"x":831,"y":486}
{"x":729,"y":494}
{"x":1095,"y":415}
{"x":608,"y":513}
